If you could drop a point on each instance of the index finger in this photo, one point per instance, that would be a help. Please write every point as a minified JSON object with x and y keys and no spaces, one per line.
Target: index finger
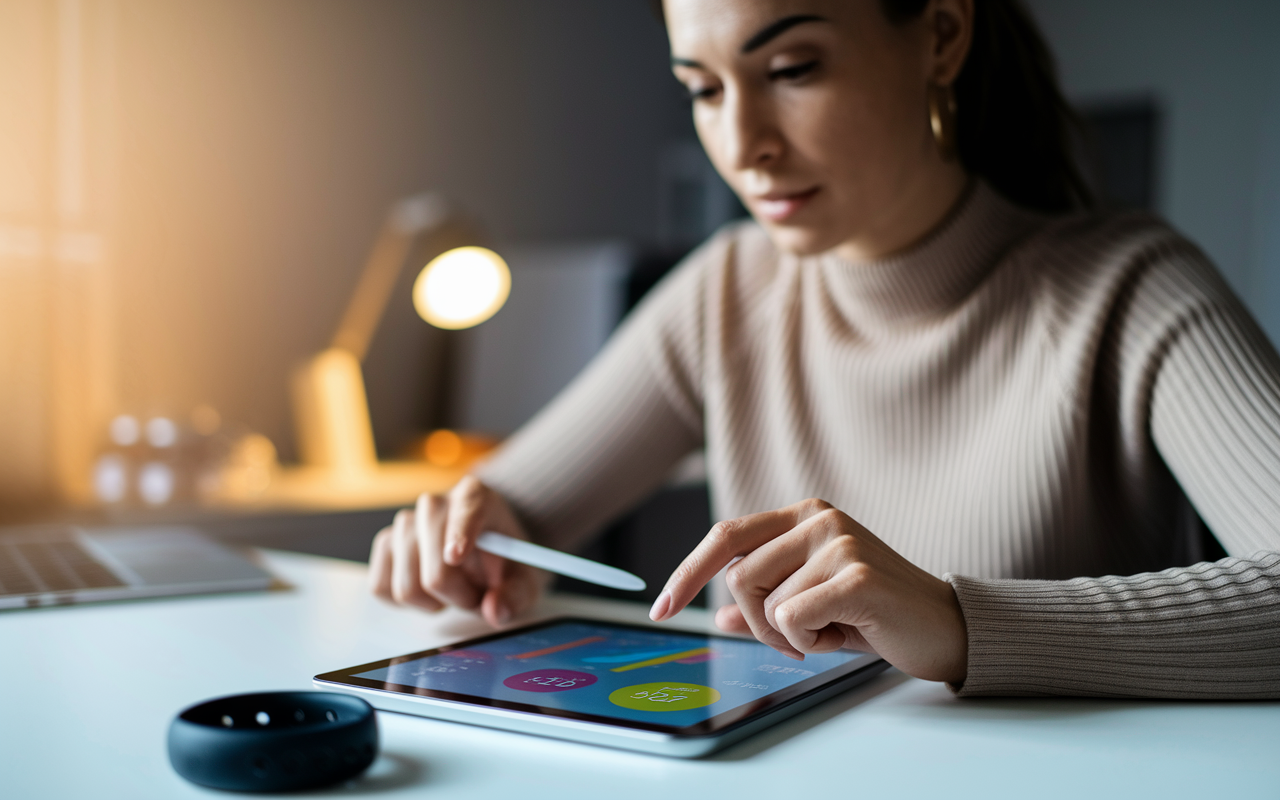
{"x":728,"y":539}
{"x":466,"y":519}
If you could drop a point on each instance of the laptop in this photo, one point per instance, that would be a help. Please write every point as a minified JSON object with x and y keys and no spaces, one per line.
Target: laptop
{"x":60,"y":565}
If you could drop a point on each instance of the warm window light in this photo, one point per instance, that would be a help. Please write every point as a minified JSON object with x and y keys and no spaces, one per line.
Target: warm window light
{"x":462,"y":287}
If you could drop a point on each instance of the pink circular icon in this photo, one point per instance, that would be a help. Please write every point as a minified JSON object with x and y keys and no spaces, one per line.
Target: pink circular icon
{"x":549,"y":680}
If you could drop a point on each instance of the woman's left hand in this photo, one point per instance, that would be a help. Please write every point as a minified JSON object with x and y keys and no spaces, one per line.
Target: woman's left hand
{"x":810,"y":579}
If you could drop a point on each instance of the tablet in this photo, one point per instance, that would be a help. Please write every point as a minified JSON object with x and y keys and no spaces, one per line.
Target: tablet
{"x":629,"y":686}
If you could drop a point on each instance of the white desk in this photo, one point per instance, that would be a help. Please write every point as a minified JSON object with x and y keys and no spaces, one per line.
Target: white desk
{"x":88,"y":693}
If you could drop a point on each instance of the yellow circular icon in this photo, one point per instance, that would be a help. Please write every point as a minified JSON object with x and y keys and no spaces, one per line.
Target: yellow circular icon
{"x":664,"y":696}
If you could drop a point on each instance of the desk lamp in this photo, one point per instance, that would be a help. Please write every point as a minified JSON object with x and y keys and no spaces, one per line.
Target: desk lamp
{"x":462,"y":286}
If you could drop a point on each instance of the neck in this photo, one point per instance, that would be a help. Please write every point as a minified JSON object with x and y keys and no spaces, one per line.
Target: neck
{"x":913,"y":214}
{"x":931,"y":279}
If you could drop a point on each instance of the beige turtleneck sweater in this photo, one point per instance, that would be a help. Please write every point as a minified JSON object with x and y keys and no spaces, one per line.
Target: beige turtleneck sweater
{"x":1018,"y":403}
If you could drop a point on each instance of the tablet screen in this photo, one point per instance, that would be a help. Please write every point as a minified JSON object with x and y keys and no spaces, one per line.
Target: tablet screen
{"x":649,"y":677}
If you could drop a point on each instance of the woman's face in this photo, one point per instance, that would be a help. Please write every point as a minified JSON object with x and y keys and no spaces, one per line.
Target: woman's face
{"x":816,"y":113}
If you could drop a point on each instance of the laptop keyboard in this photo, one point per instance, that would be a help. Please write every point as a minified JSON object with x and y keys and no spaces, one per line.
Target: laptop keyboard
{"x":52,"y":563}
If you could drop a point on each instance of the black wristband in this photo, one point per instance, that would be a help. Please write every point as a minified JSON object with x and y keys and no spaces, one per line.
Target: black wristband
{"x":274,"y":741}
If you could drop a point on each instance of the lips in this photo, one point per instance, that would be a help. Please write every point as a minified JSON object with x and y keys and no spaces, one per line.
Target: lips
{"x":779,"y":206}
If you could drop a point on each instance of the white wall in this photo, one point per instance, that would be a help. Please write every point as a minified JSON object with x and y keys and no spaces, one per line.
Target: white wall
{"x":1214,"y":67}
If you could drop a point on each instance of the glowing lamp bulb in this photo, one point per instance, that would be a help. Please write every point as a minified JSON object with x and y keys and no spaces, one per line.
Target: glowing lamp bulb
{"x":462,"y":287}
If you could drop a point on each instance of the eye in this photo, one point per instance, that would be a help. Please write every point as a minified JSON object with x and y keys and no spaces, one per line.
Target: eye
{"x":696,"y":93}
{"x":793,"y":72}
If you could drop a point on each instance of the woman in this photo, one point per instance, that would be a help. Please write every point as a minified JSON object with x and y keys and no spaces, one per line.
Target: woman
{"x":990,"y":396}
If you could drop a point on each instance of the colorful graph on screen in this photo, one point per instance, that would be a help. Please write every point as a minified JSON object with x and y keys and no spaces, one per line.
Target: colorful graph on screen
{"x":619,"y":672}
{"x":640,"y":659}
{"x":546,"y":651}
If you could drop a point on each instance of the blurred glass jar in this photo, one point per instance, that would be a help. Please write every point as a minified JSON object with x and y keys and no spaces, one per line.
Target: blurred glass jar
{"x":160,"y":461}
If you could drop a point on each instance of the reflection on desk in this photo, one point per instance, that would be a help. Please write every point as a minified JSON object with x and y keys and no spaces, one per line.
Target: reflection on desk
{"x":89,"y":692}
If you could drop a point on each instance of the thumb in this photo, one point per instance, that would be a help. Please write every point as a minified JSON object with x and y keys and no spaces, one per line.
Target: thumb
{"x":730,"y":620}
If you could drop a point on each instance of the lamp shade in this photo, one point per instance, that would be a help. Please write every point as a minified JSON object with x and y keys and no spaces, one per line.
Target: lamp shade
{"x":462,"y":287}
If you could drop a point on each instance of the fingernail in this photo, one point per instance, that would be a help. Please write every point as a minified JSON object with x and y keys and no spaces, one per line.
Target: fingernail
{"x":503,"y":614}
{"x":660,"y":606}
{"x":452,"y":553}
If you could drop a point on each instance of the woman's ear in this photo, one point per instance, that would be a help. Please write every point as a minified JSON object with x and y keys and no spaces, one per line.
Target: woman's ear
{"x":950,"y":24}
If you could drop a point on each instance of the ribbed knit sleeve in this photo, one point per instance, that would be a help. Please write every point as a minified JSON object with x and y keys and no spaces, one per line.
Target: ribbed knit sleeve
{"x":612,"y":436}
{"x":1202,"y":632}
{"x":1199,"y":366}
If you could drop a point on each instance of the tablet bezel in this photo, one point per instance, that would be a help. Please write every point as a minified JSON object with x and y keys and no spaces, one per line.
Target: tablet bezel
{"x":714,"y":726}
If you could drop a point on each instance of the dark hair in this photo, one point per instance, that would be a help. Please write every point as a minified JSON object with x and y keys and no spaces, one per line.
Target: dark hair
{"x":1013,"y":126}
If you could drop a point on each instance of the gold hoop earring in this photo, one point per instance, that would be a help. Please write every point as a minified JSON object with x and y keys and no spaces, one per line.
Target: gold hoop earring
{"x":942,"y":119}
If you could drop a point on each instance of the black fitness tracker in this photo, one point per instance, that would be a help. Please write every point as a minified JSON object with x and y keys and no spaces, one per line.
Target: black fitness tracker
{"x":274,"y":741}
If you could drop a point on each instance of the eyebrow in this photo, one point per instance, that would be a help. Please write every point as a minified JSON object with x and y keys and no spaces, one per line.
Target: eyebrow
{"x":776,"y":29}
{"x":761,"y":38}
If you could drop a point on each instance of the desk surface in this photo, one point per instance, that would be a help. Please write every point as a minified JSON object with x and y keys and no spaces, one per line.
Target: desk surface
{"x":88,"y":693}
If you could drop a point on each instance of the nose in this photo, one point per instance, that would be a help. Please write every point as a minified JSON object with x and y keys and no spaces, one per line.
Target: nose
{"x":751,"y":135}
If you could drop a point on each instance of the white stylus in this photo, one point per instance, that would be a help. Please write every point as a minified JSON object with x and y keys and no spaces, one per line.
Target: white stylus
{"x":536,"y":555}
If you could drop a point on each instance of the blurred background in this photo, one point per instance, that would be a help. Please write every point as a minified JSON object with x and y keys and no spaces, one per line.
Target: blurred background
{"x":190,"y":190}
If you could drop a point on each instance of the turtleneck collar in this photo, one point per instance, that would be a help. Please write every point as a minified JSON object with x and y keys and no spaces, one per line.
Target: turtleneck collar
{"x":934,"y":275}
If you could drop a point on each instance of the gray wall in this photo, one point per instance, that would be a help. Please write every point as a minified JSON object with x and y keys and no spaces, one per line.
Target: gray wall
{"x":261,"y":143}
{"x":1214,"y":68}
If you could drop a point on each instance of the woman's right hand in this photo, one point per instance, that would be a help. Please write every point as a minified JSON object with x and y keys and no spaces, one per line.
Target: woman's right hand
{"x":427,"y":557}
